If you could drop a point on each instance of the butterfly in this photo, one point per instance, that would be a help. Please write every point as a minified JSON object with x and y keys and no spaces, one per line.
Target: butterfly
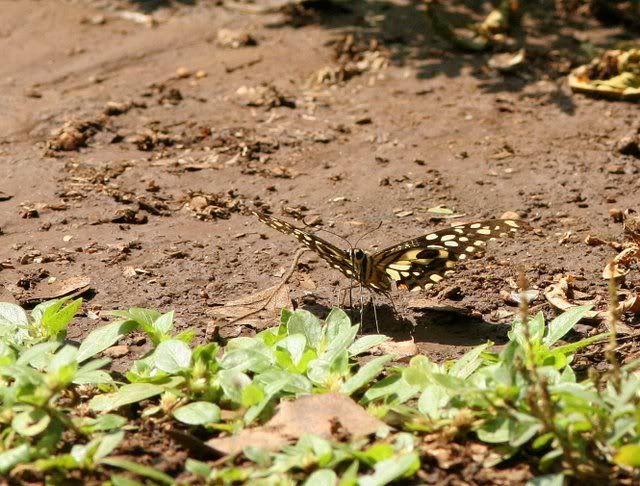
{"x":413,"y":265}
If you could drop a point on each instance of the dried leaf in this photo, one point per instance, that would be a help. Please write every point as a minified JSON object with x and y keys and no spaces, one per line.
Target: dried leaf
{"x":310,"y":414}
{"x":399,"y":349}
{"x":69,"y":287}
{"x":269,"y":301}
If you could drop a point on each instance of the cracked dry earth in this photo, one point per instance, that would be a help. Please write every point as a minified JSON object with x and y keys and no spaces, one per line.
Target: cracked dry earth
{"x":132,"y":152}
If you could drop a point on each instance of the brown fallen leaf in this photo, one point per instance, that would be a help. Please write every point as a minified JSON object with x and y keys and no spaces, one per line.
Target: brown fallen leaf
{"x":619,"y":265}
{"x":69,"y":287}
{"x":267,"y":302}
{"x":630,"y":304}
{"x":558,"y":296}
{"x":264,"y":439}
{"x":310,"y":414}
{"x":399,"y":349}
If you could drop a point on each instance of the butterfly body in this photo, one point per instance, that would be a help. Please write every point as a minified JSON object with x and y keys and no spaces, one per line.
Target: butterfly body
{"x":413,"y":265}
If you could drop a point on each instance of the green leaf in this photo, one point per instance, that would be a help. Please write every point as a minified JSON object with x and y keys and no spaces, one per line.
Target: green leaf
{"x":107,"y":444}
{"x":467,"y":364}
{"x":64,"y":357}
{"x":138,"y":469}
{"x":12,"y":457}
{"x":172,"y":356}
{"x":543,"y":440}
{"x":131,"y":393}
{"x":364,"y":375}
{"x":144,"y":317}
{"x":30,"y":422}
{"x":61,"y":462}
{"x":94,"y":377}
{"x":295,"y":344}
{"x":376,"y":453}
{"x":198,"y":468}
{"x":337,"y":322}
{"x":583,"y":343}
{"x":305,"y":323}
{"x":101,"y":423}
{"x":103,"y":338}
{"x":450,"y":382}
{"x":340,"y":343}
{"x":164,"y":323}
{"x":233,"y":382}
{"x":365,"y":343}
{"x":562,"y":324}
{"x":285,"y":315}
{"x":432,"y":400}
{"x":547,"y":460}
{"x":391,"y":469}
{"x":251,"y":395}
{"x":12,"y":315}
{"x":392,"y":388}
{"x":419,"y":372}
{"x":186,"y":336}
{"x":547,"y":480}
{"x":117,"y":480}
{"x":198,"y":413}
{"x":628,"y":455}
{"x":260,"y":456}
{"x":56,"y":318}
{"x":523,"y":431}
{"x":350,"y":476}
{"x":536,"y":327}
{"x":322,"y":477}
{"x":495,"y":431}
{"x":39,"y":354}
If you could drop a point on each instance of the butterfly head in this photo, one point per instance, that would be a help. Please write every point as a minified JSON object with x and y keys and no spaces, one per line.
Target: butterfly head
{"x":360,"y":260}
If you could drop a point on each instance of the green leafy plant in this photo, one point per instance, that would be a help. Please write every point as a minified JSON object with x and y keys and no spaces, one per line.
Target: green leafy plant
{"x":524,"y":397}
{"x":38,"y":373}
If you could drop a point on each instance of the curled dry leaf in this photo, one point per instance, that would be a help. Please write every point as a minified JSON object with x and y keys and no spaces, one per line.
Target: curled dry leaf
{"x":630,"y":304}
{"x":558,"y":296}
{"x":619,"y":266}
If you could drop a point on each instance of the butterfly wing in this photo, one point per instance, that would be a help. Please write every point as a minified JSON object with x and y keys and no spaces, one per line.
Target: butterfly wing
{"x":337,"y":258}
{"x":422,"y":262}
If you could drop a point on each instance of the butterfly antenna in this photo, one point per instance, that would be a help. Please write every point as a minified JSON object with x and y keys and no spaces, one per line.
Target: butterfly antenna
{"x":331,"y":233}
{"x":369,"y":232}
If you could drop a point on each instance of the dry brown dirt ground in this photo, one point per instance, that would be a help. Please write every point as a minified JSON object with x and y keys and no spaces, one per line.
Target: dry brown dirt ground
{"x":130,"y":154}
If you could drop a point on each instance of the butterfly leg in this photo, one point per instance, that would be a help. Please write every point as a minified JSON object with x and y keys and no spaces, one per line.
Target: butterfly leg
{"x":375,"y":313}
{"x":393,"y":305}
{"x":341,"y":296}
{"x":350,"y":296}
{"x":361,"y":308}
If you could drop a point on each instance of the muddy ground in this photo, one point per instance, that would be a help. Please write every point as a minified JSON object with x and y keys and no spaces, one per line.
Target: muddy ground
{"x":132,"y":152}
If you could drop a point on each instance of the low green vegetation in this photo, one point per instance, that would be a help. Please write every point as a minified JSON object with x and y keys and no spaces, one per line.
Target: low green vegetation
{"x":62,"y":412}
